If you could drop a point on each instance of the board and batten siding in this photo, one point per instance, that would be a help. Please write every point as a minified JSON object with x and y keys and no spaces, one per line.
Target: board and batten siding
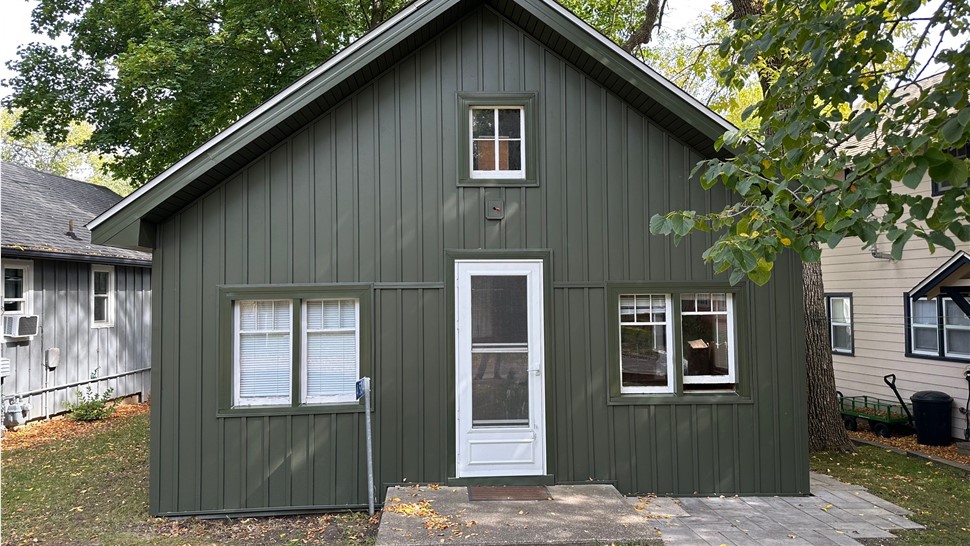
{"x":879,"y":324}
{"x":367,"y":193}
{"x":116,"y":357}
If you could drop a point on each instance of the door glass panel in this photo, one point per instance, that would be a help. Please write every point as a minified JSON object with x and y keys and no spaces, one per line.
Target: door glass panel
{"x":499,"y":310}
{"x":500,"y":389}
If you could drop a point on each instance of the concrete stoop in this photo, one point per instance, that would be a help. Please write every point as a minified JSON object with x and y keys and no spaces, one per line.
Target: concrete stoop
{"x":837,"y":514}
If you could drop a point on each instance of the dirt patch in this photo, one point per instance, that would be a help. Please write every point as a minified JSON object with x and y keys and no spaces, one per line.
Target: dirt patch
{"x":37,"y":433}
{"x":347,"y":528}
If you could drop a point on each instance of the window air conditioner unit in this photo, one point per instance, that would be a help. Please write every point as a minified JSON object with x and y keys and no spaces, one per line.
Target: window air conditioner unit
{"x":20,"y":325}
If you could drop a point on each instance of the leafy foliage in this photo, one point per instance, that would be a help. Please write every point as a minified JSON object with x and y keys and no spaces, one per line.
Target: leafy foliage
{"x":156,"y":78}
{"x":91,"y":406}
{"x":68,"y":158}
{"x":842,"y":132}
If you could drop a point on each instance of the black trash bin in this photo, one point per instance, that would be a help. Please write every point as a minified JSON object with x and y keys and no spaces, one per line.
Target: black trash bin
{"x":931,"y":411}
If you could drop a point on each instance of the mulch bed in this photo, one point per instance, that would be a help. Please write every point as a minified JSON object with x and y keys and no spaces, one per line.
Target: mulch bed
{"x":908,"y":443}
{"x":37,"y":433}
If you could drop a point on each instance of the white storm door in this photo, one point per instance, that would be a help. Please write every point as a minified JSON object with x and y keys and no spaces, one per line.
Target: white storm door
{"x":500,"y":402}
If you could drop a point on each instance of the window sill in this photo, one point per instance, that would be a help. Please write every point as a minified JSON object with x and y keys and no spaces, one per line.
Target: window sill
{"x":268,"y":411}
{"x":105,"y":325}
{"x":937,"y":357}
{"x":498,"y":182}
{"x":671,"y":399}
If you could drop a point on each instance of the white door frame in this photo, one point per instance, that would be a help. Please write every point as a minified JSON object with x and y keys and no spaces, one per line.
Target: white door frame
{"x":497,"y":450}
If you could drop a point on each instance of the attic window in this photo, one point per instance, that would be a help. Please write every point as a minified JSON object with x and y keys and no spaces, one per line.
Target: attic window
{"x":496,"y":139}
{"x":496,"y":142}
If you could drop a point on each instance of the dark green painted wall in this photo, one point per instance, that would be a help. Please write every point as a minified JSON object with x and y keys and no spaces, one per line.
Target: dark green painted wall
{"x":367,"y":193}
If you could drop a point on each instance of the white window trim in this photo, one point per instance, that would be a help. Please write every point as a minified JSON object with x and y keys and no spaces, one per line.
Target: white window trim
{"x":27,"y":267}
{"x":110,"y":304}
{"x":946,"y":340}
{"x":731,"y":376}
{"x":350,"y":397}
{"x":496,"y":173}
{"x":265,"y":400}
{"x":847,"y":324}
{"x":913,"y":325}
{"x":669,"y":332}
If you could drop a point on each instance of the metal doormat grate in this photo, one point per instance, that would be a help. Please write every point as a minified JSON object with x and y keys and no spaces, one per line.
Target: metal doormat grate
{"x":508,"y":493}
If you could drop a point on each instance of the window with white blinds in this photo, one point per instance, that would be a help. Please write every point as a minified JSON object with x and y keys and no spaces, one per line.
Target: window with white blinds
{"x":331,"y":349}
{"x":263,"y":352}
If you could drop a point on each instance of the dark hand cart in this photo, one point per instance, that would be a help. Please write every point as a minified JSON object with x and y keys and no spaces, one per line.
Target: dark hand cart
{"x":883,"y":415}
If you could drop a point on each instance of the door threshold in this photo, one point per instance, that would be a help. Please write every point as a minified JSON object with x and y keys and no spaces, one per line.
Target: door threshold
{"x":543,"y":479}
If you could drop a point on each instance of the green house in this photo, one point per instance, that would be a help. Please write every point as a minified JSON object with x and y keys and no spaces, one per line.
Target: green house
{"x":457,"y":206}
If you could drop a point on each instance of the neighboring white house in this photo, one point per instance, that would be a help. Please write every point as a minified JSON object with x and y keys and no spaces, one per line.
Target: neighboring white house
{"x":900,"y":317}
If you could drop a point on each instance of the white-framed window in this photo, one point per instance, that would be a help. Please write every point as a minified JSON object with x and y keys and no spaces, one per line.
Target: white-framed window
{"x":646,"y":332}
{"x":102,"y":296}
{"x":924,"y":327}
{"x":839,"y":308}
{"x":17,"y":286}
{"x":956,"y":331}
{"x":331,"y":351}
{"x":497,"y":138}
{"x":707,"y":330}
{"x":262,"y":352}
{"x":265,"y":371}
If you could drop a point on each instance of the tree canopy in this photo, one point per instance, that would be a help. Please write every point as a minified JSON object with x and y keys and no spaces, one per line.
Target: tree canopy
{"x":840,"y":132}
{"x":66,"y":158}
{"x":156,"y":78}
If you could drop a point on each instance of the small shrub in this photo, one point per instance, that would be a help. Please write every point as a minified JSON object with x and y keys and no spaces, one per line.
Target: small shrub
{"x":91,"y":406}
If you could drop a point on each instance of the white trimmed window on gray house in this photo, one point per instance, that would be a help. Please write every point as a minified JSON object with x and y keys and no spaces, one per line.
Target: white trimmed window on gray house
{"x":102,"y":296}
{"x":17,"y":286}
{"x":841,"y":337}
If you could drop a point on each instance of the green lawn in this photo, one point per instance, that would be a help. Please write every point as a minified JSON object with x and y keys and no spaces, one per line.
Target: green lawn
{"x":938,"y":495}
{"x":92,"y":489}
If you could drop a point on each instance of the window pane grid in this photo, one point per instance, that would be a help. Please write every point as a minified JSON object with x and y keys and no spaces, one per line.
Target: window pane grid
{"x":707,"y":332}
{"x":646,"y":362}
{"x":496,"y":140}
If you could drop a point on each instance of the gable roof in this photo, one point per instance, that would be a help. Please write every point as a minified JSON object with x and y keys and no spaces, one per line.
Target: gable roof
{"x":955,"y":273}
{"x":130,"y":222}
{"x":37,"y":208}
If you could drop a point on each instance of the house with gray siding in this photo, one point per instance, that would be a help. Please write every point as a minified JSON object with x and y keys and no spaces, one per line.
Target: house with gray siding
{"x":75,"y":314}
{"x":457,"y":206}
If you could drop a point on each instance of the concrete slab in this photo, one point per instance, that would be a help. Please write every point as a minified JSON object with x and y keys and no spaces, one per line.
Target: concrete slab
{"x":837,"y":514}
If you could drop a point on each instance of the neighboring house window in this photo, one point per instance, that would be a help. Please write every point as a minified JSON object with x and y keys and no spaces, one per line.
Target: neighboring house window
{"x":294,"y":348}
{"x":956,"y":331}
{"x":646,"y":358}
{"x":102,"y":295}
{"x":840,"y":323}
{"x":497,"y":139}
{"x":16,"y":287}
{"x":707,"y":328}
{"x":939,"y":188}
{"x":331,"y":347}
{"x":650,"y":335}
{"x":938,"y":328}
{"x":496,"y":142}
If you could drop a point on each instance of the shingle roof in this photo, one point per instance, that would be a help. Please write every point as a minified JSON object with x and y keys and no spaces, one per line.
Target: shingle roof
{"x":36,"y":209}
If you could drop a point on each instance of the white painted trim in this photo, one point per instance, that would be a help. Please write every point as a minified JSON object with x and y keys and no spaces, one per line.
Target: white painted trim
{"x":535,"y":433}
{"x":27,"y":266}
{"x":111,"y":296}
{"x":932,"y":276}
{"x":731,"y":377}
{"x":266,"y":400}
{"x":669,"y":331}
{"x":350,"y":397}
{"x":496,"y":173}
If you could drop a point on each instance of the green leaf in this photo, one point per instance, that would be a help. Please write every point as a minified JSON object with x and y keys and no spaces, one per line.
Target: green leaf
{"x":952,"y":130}
{"x":900,"y":242}
{"x":761,"y":274}
{"x":914,"y":176}
{"x":659,"y":225}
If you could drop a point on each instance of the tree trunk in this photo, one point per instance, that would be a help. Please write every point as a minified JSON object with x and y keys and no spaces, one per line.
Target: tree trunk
{"x":825,"y":430}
